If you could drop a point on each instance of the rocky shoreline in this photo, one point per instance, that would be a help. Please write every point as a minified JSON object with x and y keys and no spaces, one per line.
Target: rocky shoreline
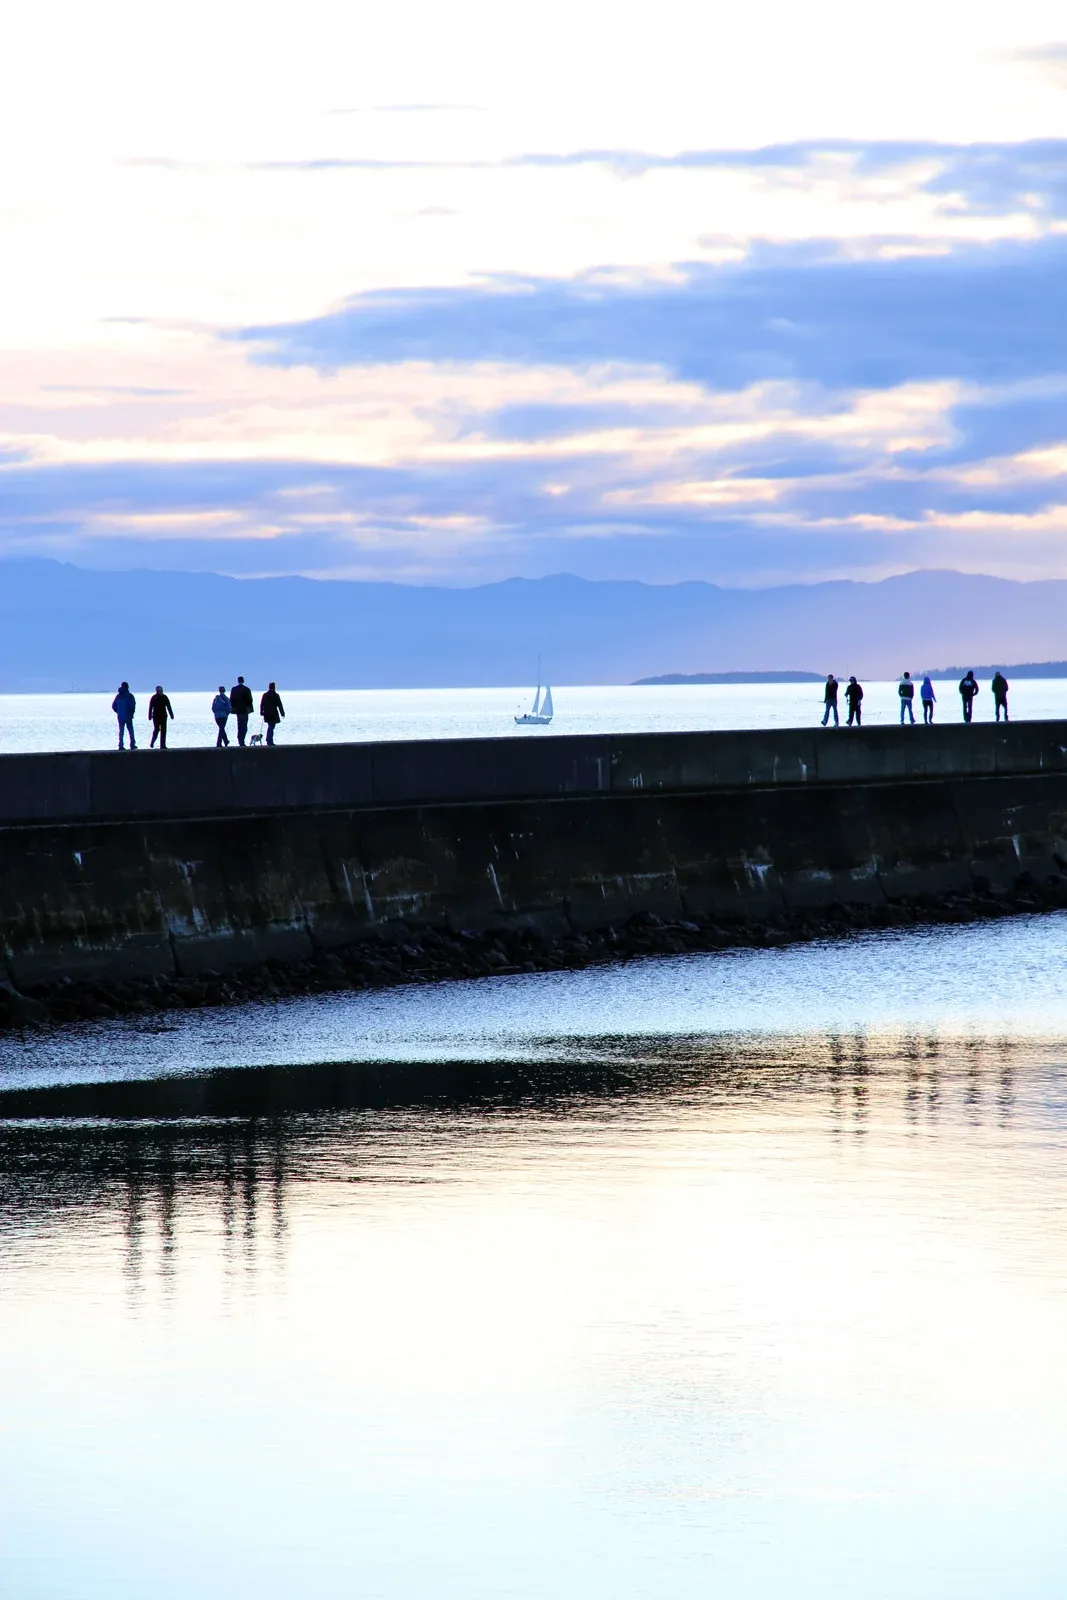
{"x":422,"y":955}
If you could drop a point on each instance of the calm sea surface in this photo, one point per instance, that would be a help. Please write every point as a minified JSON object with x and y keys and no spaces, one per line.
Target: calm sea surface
{"x":740,"y":1275}
{"x":319,"y":716}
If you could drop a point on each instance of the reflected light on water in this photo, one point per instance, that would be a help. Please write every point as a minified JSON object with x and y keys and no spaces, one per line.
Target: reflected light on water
{"x":757,"y":1314}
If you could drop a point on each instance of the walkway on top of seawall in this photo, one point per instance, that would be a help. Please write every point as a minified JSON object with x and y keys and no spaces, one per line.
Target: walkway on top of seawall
{"x":109,"y":785}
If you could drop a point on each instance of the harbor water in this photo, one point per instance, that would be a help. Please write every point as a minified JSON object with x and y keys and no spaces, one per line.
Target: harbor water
{"x":85,"y":721}
{"x":740,"y":1274}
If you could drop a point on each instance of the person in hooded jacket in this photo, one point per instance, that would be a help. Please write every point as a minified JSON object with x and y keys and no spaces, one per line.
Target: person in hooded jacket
{"x":242,"y":705}
{"x":271,"y":710}
{"x":968,"y":690}
{"x":999,"y":687}
{"x":124,"y":706}
{"x":928,"y":698}
{"x":220,"y":710}
{"x":159,"y":711}
{"x":854,"y":701}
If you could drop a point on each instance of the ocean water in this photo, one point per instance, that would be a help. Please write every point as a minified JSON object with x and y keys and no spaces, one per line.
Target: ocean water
{"x":740,"y":1274}
{"x":85,"y":721}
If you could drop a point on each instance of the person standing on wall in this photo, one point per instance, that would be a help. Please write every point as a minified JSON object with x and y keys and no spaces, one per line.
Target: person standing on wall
{"x":159,"y":710}
{"x":124,"y":706}
{"x":271,"y":710}
{"x":968,"y":690}
{"x":928,"y":698}
{"x":906,"y":691}
{"x":999,"y":687}
{"x":242,"y":705}
{"x":854,"y":700}
{"x":220,"y":710}
{"x":830,"y":701}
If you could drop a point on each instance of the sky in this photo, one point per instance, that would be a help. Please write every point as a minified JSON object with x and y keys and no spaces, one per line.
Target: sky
{"x":449,"y":294}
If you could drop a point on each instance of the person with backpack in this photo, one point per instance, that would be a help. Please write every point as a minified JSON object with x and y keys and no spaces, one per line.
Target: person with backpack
{"x":271,"y":710}
{"x":854,"y":699}
{"x":159,"y":710}
{"x":830,"y":701}
{"x":906,"y":691}
{"x":242,"y":705}
{"x":124,"y":706}
{"x":929,"y":699}
{"x":220,"y":710}
{"x":968,"y":690}
{"x":999,"y":687}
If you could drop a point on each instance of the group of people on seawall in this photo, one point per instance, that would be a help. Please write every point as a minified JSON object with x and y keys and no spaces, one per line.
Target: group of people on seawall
{"x":239,"y":704}
{"x":969,"y":687}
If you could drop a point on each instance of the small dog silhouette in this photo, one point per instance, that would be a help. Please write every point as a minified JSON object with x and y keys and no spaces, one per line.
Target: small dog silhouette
{"x":257,"y":738}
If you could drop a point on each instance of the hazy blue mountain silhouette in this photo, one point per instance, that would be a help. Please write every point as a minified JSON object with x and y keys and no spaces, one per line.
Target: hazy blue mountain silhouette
{"x":64,"y":627}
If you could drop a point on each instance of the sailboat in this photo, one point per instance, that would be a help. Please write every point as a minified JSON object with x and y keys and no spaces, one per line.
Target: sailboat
{"x":540,"y":713}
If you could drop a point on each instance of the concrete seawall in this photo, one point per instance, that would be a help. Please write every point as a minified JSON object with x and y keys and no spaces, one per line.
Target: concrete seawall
{"x":138,"y":866}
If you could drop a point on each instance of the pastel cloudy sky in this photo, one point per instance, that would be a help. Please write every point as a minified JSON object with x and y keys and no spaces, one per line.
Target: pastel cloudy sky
{"x":454,"y":292}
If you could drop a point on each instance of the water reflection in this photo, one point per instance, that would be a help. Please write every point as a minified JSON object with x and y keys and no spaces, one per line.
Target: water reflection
{"x":230,"y":1145}
{"x":671,"y":1313}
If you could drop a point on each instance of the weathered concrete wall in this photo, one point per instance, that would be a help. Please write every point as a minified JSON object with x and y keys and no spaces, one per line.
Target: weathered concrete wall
{"x":104,"y":785}
{"x":139,"y":865}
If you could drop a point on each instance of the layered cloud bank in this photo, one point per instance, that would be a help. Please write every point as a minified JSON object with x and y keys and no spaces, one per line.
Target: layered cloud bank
{"x":336,"y":348}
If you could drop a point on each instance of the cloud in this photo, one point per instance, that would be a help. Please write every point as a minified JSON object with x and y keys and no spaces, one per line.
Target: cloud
{"x":800,"y":412}
{"x":982,"y":177}
{"x":1050,"y":60}
{"x":806,"y":314}
{"x":416,"y":108}
{"x":977,"y":179}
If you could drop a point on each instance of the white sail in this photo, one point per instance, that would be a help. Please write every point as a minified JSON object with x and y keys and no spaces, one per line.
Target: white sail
{"x":541,"y":710}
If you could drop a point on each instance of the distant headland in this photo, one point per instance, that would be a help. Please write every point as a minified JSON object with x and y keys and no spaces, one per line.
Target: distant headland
{"x":1025,"y":669}
{"x":732,"y":677}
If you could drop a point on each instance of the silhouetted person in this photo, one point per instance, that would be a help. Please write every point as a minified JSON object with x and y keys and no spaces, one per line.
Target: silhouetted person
{"x":968,"y":690}
{"x":830,"y":701}
{"x":242,"y":705}
{"x":124,"y":705}
{"x":220,"y":710}
{"x":159,"y":710}
{"x":854,"y":701}
{"x":271,"y":710}
{"x":928,"y":698}
{"x":999,"y":687}
{"x":906,"y":691}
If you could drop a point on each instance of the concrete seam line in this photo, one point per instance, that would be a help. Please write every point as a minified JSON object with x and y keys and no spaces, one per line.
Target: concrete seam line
{"x":161,"y":819}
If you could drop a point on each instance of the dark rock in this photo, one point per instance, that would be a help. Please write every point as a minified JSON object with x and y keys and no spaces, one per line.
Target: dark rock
{"x":20,"y":1010}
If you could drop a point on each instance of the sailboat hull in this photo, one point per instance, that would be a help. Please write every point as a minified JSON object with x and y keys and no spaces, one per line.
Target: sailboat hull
{"x":529,"y":718}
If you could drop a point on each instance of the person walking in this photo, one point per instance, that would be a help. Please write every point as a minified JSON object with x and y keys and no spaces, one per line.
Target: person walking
{"x":929,"y":699}
{"x":159,"y":710}
{"x":124,"y":705}
{"x":220,"y":710}
{"x":854,"y":699}
{"x":999,"y":687}
{"x":271,"y":710}
{"x":968,"y":690}
{"x":242,"y":705}
{"x":830,"y":701}
{"x":906,"y":691}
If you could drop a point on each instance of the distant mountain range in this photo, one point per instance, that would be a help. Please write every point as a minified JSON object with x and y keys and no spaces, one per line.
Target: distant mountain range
{"x":64,"y":627}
